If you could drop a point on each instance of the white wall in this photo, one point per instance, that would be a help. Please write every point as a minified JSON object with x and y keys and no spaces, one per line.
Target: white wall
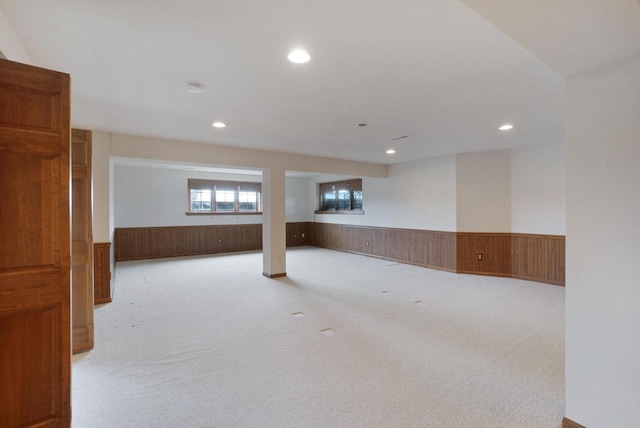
{"x":520,"y":190}
{"x":603,"y":243}
{"x":101,"y":186}
{"x":10,"y":45}
{"x":538,"y":183}
{"x":415,"y":195}
{"x":484,"y":191}
{"x":297,"y":202}
{"x":147,"y":196}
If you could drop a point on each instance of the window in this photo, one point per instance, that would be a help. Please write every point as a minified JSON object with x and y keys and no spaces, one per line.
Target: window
{"x":341,"y":197}
{"x":223,"y":197}
{"x":248,"y":201}
{"x":225,"y":200}
{"x":200,"y":200}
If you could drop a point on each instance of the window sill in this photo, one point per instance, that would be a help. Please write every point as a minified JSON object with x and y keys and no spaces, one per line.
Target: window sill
{"x":342,"y":212}
{"x":222,"y":213}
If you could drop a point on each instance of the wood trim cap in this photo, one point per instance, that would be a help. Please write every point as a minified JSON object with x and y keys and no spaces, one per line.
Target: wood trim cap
{"x":568,"y":423}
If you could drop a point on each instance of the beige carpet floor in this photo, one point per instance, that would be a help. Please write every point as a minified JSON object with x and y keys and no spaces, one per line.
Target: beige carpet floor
{"x":343,"y":341}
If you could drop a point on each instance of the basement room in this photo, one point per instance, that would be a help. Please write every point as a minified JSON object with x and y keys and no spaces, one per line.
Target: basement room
{"x":334,"y":214}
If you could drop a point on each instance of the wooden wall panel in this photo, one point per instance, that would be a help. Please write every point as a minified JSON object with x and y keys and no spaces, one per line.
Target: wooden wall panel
{"x":344,"y":237}
{"x":432,"y":249}
{"x":531,"y":257}
{"x":250,"y":238}
{"x":321,"y":235}
{"x":332,"y":233}
{"x":228,"y":239}
{"x":495,"y":249}
{"x":101,"y":272}
{"x":360,"y":240}
{"x":155,"y":242}
{"x":377,"y":237}
{"x":538,"y":258}
{"x":299,"y":234}
{"x":525,"y":256}
{"x":160,"y":241}
{"x":396,"y":244}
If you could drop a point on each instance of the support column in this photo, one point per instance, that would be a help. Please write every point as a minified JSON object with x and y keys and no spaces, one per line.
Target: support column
{"x":274,"y":225}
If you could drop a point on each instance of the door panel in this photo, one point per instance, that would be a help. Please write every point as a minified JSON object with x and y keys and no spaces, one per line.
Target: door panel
{"x":35,"y":324}
{"x":42,"y":114}
{"x":25,"y":197}
{"x":31,"y":364}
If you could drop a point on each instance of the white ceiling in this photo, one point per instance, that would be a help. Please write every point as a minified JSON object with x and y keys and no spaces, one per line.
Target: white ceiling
{"x":571,"y":36}
{"x":431,"y":69}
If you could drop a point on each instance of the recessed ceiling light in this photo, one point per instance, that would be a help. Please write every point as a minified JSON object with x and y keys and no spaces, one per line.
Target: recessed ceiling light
{"x":299,"y":56}
{"x":506,"y":127}
{"x":390,"y":151}
{"x":218,"y":125}
{"x":194,"y":88}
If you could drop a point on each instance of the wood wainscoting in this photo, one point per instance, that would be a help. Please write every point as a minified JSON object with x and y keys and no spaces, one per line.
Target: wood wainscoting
{"x":484,"y":253}
{"x":101,"y":272}
{"x":538,"y":258}
{"x":525,"y":256}
{"x":135,"y":243}
{"x":300,"y":233}
{"x":426,"y":248}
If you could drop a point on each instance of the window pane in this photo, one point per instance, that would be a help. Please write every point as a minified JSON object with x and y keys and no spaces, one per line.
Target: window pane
{"x":357,"y":199}
{"x":329,"y":200}
{"x":200,"y":200}
{"x":247,"y":201}
{"x":344,"y":200}
{"x":225,"y":200}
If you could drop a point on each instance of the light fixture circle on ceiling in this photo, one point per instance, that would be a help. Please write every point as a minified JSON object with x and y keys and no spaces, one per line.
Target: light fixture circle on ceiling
{"x":218,"y":125}
{"x":506,"y":127}
{"x":194,"y":88}
{"x":391,"y":151}
{"x":299,"y":56}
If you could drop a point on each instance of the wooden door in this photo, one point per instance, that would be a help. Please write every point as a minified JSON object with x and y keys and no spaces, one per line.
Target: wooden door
{"x":35,"y":324}
{"x":81,"y":242}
